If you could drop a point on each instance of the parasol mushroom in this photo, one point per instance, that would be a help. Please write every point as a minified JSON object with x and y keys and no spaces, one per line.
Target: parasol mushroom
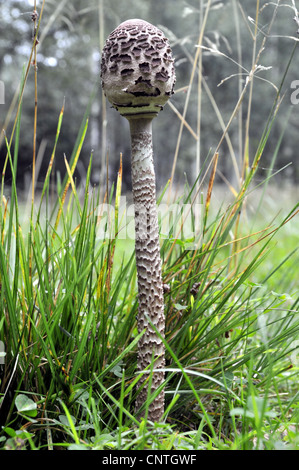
{"x":138,"y":78}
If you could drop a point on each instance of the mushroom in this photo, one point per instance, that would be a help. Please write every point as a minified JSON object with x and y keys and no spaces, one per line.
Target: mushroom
{"x":138,"y":78}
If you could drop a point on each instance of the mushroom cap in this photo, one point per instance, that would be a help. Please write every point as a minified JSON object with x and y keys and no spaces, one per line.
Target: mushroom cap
{"x":137,"y":69}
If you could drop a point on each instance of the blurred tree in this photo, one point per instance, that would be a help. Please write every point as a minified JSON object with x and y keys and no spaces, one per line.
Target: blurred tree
{"x":71,"y":37}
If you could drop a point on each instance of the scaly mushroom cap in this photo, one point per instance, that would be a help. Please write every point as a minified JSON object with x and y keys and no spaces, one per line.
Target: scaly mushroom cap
{"x":137,"y":69}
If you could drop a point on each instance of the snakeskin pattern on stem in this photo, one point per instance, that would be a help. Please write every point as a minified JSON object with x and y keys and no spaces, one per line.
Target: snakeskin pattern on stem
{"x":148,"y":262}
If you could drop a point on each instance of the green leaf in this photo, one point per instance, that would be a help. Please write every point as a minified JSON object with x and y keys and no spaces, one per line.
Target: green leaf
{"x":11,"y":432}
{"x":77,"y":447}
{"x":241,"y":412}
{"x":259,"y":404}
{"x":26,"y":405}
{"x":65,"y":421}
{"x":117,"y":370}
{"x":254,"y":404}
{"x":281,"y":296}
{"x":180,"y":307}
{"x":228,"y":378}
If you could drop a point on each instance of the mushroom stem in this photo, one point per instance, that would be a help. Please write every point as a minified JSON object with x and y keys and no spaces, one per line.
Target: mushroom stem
{"x":148,"y":262}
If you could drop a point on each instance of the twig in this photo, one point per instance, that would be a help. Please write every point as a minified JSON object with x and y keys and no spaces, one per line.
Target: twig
{"x":34,"y":17}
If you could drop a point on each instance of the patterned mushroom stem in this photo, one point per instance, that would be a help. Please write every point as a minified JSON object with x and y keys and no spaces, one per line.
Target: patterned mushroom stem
{"x":148,"y":262}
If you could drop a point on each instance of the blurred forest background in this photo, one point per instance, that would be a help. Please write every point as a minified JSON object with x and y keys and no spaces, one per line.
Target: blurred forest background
{"x":71,"y":37}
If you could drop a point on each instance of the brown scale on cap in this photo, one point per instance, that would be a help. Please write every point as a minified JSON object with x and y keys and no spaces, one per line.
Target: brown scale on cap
{"x":137,"y":69}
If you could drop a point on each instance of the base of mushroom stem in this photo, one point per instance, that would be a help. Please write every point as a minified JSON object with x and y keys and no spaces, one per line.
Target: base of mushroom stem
{"x":155,"y":410}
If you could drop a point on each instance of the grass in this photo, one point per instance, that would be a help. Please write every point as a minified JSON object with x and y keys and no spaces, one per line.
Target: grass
{"x":68,"y":300}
